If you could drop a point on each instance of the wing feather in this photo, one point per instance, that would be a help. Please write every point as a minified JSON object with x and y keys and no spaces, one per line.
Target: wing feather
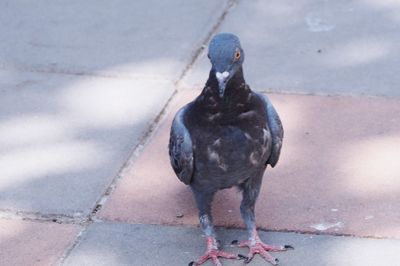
{"x":180,"y":148}
{"x":276,"y":129}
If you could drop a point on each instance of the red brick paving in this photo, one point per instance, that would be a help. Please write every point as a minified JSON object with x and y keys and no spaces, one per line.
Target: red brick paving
{"x":34,"y":243}
{"x":339,"y":169}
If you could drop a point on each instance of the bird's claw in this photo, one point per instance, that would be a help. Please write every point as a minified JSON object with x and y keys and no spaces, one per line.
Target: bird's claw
{"x":287,"y":247}
{"x":260,"y":248}
{"x":274,"y":261}
{"x":214,"y":254}
{"x":242,"y":257}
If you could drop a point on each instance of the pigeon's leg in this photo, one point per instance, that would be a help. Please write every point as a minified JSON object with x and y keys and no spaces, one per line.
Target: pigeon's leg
{"x":212,"y":252}
{"x":251,"y":189}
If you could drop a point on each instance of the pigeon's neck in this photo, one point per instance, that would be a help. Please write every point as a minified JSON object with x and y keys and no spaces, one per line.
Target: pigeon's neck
{"x":235,"y":88}
{"x":232,"y":103}
{"x":236,"y":85}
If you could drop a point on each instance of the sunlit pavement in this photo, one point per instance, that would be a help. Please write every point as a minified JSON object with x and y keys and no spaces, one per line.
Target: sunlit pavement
{"x":88,"y":91}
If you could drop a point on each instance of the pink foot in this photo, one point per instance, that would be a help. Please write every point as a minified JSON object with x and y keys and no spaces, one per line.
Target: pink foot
{"x":213,"y":253}
{"x":258,"y":247}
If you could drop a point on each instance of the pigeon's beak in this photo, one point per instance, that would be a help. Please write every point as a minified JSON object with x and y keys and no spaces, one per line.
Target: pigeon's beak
{"x":222,"y":79}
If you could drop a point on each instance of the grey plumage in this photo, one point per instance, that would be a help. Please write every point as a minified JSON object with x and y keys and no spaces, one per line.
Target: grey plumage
{"x":180,"y":148}
{"x":226,"y":137}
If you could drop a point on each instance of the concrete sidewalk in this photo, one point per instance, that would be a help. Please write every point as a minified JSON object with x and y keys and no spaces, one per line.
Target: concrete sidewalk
{"x":88,"y":91}
{"x":130,"y":244}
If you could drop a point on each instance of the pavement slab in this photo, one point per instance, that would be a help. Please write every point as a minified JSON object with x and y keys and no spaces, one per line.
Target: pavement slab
{"x":338,"y":173}
{"x":322,"y":47}
{"x":63,"y":138}
{"x":150,"y":245}
{"x":34,"y":243}
{"x":120,"y":38}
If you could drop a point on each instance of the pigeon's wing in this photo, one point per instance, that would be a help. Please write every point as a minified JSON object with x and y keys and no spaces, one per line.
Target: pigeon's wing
{"x":276,"y":129}
{"x":180,"y":148}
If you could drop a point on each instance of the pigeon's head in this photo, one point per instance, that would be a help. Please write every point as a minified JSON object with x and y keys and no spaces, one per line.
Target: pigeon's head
{"x":226,"y":56}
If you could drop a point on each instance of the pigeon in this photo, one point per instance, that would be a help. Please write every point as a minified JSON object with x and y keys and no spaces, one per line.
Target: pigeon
{"x":226,"y":137}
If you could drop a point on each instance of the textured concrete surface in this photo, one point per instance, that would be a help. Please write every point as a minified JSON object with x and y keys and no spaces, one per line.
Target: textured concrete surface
{"x":325,"y":47}
{"x":338,"y":173}
{"x":34,"y":243}
{"x":81,"y":82}
{"x":63,"y":138}
{"x":124,"y":244}
{"x":122,"y":38}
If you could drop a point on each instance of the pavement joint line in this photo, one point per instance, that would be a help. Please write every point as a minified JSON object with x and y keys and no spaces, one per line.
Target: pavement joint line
{"x":89,"y":219}
{"x":305,"y":93}
{"x":39,"y":217}
{"x":63,"y":71}
{"x":133,"y":155}
{"x":322,"y":94}
{"x":316,"y":233}
{"x":301,"y":232}
{"x":71,"y":247}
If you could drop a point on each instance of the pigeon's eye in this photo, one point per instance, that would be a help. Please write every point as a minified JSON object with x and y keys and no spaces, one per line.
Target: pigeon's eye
{"x":237,"y":55}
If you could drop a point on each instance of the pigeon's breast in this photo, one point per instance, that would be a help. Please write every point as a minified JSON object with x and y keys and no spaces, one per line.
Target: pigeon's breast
{"x":229,"y":154}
